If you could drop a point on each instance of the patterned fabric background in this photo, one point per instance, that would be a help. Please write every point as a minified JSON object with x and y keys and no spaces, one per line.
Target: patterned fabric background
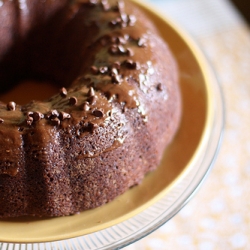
{"x":218,"y":216}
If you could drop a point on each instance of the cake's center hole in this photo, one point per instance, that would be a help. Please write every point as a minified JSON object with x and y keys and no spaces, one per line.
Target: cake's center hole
{"x":27,"y":91}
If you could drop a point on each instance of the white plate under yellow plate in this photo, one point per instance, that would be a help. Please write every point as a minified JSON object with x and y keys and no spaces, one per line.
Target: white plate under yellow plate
{"x":179,"y":158}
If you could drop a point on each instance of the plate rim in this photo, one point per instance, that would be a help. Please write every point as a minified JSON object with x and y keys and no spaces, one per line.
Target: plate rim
{"x":202,"y":143}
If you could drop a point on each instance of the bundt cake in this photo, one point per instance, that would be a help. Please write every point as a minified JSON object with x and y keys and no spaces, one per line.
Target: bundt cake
{"x":118,"y":104}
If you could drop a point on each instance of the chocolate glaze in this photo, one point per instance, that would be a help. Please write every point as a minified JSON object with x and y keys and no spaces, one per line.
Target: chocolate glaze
{"x":117,"y":108}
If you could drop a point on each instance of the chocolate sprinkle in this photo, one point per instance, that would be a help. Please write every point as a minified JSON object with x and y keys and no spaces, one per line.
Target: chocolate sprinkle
{"x":11,"y":106}
{"x":72,"y":100}
{"x":63,"y":92}
{"x":98,"y":113}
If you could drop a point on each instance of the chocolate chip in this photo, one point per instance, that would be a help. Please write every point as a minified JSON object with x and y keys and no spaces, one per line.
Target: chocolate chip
{"x":126,"y":37}
{"x":92,"y":126}
{"x":52,"y":114}
{"x":114,"y":71}
{"x":114,"y":39}
{"x":11,"y":106}
{"x":145,"y":118}
{"x":124,"y":109}
{"x":130,"y":64}
{"x":103,"y":70}
{"x":103,"y":41}
{"x":37,"y":116}
{"x":55,"y":121}
{"x":64,"y":115}
{"x":111,"y":96}
{"x":122,"y":40}
{"x":72,"y":11}
{"x":20,"y":129}
{"x":98,"y":113}
{"x":118,"y":20}
{"x":113,"y":23}
{"x":116,"y":79}
{"x":109,"y":113}
{"x":138,"y":66}
{"x":30,"y":113}
{"x":72,"y":100}
{"x":94,"y":70}
{"x":63,"y":92}
{"x":159,"y":87}
{"x":124,"y":18}
{"x":120,"y":5}
{"x":116,"y":65}
{"x":92,"y":2}
{"x":85,"y":106}
{"x":92,"y":100}
{"x":130,"y":52}
{"x":141,"y":42}
{"x":124,"y":25}
{"x":132,"y":20}
{"x":118,"y":40}
{"x":121,"y":49}
{"x":1,"y":120}
{"x":119,"y":125}
{"x":105,"y":5}
{"x":29,"y":120}
{"x":91,"y":91}
{"x":113,"y":49}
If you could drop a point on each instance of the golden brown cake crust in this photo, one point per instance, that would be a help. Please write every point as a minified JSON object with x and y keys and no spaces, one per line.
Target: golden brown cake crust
{"x":117,"y":109}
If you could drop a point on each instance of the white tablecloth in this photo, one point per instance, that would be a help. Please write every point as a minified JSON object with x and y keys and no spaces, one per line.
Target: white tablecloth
{"x":218,"y":216}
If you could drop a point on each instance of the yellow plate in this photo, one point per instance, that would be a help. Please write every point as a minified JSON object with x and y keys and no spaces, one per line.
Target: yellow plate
{"x":178,"y":159}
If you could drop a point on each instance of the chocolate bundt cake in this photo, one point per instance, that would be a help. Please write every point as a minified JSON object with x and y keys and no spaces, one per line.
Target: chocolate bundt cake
{"x":117,"y":108}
